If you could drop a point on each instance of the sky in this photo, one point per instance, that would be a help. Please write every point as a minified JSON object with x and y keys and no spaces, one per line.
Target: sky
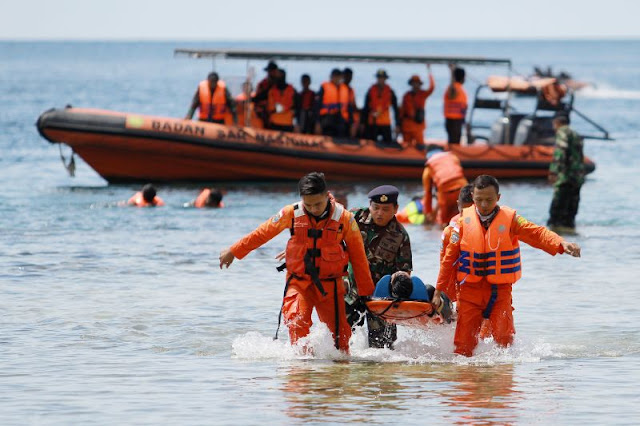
{"x":324,"y":20}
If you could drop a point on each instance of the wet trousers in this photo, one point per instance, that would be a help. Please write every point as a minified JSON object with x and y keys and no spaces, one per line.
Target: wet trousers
{"x":472,"y":301}
{"x":564,"y":206}
{"x":447,"y":206}
{"x":300,"y":299}
{"x":381,"y":333}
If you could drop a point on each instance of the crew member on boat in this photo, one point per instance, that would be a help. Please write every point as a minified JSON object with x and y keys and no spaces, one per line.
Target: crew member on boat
{"x":324,"y":239}
{"x":413,"y":111}
{"x":306,"y":118}
{"x":388,"y":249}
{"x":260,"y":107}
{"x":213,"y":100}
{"x":444,"y":171}
{"x":375,"y":114}
{"x":347,"y":77}
{"x":455,"y":104}
{"x":332,"y":107}
{"x":483,"y":256}
{"x":282,"y":104}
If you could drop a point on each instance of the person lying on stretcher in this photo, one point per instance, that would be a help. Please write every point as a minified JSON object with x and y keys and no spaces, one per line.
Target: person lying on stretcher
{"x":402,"y":287}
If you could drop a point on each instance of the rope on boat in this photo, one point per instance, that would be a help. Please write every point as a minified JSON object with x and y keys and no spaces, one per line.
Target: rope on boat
{"x":71,"y":165}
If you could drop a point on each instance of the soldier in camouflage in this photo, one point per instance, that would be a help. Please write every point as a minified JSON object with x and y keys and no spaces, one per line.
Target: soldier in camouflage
{"x":388,"y":250}
{"x":566,"y":173}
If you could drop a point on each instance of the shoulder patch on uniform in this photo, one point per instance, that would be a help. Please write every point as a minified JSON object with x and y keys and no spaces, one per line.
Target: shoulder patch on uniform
{"x":276,"y":217}
{"x":455,"y":237}
{"x":521,"y":220}
{"x":353,"y":223}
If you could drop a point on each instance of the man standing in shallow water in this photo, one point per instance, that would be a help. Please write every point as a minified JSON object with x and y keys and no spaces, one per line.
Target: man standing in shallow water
{"x":324,"y":238}
{"x":484,"y":255}
{"x":388,"y":250}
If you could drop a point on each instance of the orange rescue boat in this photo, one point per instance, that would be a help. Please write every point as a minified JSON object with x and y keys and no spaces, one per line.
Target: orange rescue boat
{"x":124,"y":147}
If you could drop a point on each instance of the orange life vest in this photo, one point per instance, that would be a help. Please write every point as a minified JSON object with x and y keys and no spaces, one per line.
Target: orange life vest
{"x":138,"y":200}
{"x":455,"y":108}
{"x":212,"y":106}
{"x":445,"y":167}
{"x":201,"y":200}
{"x":335,"y":100}
{"x":321,"y":247}
{"x":492,"y":254}
{"x":280,"y":105}
{"x":379,"y":104}
{"x":413,"y":106}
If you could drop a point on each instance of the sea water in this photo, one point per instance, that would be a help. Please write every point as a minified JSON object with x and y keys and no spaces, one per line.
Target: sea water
{"x":116,"y":315}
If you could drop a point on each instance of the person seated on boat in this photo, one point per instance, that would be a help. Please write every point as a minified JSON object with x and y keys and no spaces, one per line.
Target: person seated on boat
{"x":332,"y":107}
{"x":208,"y":198}
{"x":375,"y":114}
{"x":260,"y":107}
{"x":282,"y":104}
{"x":146,"y":198}
{"x":444,"y":172}
{"x":414,"y":121}
{"x":214,"y":101}
{"x":347,"y":77}
{"x":455,"y":104}
{"x":306,"y":119}
{"x":402,"y":286}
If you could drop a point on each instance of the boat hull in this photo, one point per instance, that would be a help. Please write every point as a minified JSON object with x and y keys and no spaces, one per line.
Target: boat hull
{"x":125,"y":147}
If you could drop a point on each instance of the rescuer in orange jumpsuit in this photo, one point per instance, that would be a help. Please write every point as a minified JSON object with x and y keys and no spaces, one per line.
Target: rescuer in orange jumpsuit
{"x":465,"y":199}
{"x":484,"y":254}
{"x":375,"y":114}
{"x":146,"y":198}
{"x":455,"y":105}
{"x":214,"y":101}
{"x":414,"y":119}
{"x":324,"y":238}
{"x":442,"y":169}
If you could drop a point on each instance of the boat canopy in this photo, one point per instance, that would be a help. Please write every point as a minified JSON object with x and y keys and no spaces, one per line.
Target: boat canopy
{"x":352,"y":57}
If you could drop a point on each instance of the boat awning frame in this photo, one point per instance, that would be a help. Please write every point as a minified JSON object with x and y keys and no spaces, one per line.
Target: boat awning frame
{"x":350,"y":57}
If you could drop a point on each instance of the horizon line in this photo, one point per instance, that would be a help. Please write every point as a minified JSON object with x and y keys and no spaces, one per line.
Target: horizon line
{"x":306,"y":40}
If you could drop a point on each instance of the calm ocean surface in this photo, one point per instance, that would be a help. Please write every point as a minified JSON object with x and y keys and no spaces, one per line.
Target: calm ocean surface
{"x":121,"y":316}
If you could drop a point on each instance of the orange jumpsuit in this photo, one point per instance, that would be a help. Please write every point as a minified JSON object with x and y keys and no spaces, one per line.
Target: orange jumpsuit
{"x":413,"y":131}
{"x":451,"y":289}
{"x":445,"y":171}
{"x":476,"y":294}
{"x":302,"y":295}
{"x":138,"y":200}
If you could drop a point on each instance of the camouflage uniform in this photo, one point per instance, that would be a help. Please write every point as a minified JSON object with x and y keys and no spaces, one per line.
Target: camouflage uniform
{"x":388,"y":250}
{"x":568,"y":166}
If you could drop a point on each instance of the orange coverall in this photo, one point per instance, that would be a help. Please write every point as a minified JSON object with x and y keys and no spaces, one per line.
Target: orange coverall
{"x":413,"y":132}
{"x":302,"y":295}
{"x":474,"y":297}
{"x":447,"y":195}
{"x":450,"y":289}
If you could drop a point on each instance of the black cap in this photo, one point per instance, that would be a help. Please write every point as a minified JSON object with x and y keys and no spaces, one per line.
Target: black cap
{"x":271,"y":66}
{"x":385,"y":194}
